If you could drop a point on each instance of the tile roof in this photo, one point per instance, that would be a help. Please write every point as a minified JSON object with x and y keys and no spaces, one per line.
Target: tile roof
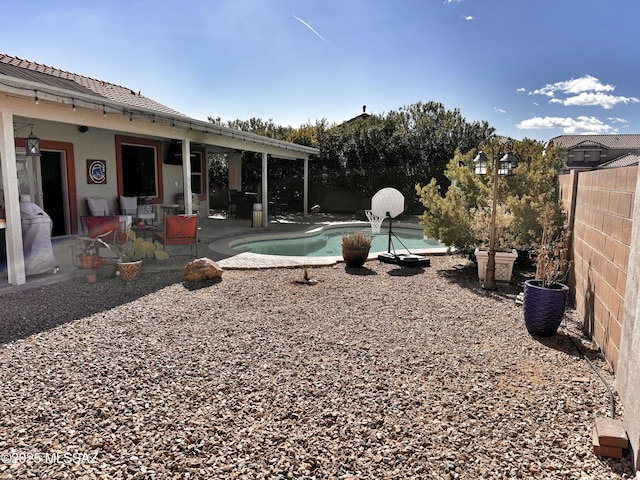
{"x":626,"y":160}
{"x":615,"y":141}
{"x":54,"y":77}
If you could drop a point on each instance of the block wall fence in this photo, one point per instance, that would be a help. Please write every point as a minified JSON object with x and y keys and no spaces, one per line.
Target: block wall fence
{"x":605,"y":277}
{"x":600,"y":208}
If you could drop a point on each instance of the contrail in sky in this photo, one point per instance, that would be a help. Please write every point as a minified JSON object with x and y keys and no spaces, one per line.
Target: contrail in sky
{"x":309,"y":27}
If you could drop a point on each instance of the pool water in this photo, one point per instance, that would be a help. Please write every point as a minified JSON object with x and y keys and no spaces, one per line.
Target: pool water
{"x":328,"y":242}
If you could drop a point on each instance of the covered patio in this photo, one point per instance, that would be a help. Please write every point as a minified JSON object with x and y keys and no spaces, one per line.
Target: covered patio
{"x":80,"y":123}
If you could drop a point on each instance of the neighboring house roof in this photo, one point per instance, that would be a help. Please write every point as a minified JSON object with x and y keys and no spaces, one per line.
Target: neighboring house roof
{"x":54,"y":77}
{"x":616,"y":141}
{"x":362,"y":116}
{"x":626,"y":160}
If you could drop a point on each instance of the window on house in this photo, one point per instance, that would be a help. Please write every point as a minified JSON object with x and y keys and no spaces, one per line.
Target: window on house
{"x":139,"y":177}
{"x":138,"y":167}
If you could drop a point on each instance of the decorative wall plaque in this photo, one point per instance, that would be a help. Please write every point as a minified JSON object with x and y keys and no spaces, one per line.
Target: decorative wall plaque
{"x":96,"y":172}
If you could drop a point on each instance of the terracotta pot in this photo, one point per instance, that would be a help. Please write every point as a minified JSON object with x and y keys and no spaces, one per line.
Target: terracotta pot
{"x":86,"y":261}
{"x":129,"y":270}
{"x":354,"y":257}
{"x":91,"y":278}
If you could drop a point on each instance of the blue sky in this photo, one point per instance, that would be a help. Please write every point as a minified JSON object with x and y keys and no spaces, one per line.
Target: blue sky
{"x":531,"y":68}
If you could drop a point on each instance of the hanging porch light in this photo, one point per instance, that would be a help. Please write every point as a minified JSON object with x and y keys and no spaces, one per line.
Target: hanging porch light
{"x":32,"y":145}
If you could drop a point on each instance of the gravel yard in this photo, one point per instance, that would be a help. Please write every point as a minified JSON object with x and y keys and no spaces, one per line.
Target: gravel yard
{"x":374,"y":373}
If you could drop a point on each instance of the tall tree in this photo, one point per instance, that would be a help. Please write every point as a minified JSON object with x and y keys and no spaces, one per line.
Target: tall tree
{"x":460,"y":217}
{"x":399,"y":149}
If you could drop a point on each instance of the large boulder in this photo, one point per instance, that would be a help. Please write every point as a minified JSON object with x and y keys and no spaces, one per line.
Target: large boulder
{"x":202,"y":269}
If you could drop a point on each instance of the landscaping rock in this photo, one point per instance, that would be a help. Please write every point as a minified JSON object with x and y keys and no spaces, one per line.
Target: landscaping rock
{"x":202,"y":269}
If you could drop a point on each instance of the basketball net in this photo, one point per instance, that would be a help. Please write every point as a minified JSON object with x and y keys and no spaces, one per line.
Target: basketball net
{"x":374,"y":220}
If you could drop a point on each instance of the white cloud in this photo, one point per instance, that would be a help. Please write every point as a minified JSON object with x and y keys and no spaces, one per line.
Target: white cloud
{"x":468,"y":17}
{"x":446,"y":2}
{"x":521,"y":89}
{"x":582,"y":125}
{"x":499,"y":110}
{"x":583,"y":91}
{"x":598,"y":99}
{"x":617,"y":120}
{"x":574,"y":86}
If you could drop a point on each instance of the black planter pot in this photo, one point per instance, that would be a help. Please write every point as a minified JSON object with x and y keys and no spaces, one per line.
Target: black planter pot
{"x":543,"y":307}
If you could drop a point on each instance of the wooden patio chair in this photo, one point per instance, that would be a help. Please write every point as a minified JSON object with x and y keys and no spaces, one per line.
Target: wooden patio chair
{"x":179,"y":230}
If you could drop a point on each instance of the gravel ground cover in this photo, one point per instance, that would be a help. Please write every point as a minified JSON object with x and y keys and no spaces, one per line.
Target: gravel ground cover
{"x":374,"y":373}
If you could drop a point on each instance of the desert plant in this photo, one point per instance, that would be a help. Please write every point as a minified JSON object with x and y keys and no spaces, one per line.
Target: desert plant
{"x":134,"y":249}
{"x":551,"y":250}
{"x":504,"y":238}
{"x":356,"y":240}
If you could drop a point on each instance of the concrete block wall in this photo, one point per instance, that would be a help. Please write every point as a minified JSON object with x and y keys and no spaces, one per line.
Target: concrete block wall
{"x":600,"y":204}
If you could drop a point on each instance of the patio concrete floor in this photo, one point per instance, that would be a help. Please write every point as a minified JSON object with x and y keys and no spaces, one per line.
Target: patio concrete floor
{"x":216,"y":232}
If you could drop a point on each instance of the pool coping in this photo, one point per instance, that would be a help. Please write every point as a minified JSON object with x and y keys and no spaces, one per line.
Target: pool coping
{"x":236,"y":260}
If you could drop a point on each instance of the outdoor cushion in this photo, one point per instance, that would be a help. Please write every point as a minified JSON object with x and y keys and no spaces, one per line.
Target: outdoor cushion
{"x":98,"y":206}
{"x":129,"y":205}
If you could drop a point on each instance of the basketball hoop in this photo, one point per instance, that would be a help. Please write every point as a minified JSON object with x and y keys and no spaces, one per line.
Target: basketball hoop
{"x":374,"y":220}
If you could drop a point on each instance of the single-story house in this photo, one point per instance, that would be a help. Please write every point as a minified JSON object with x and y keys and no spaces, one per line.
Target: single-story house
{"x":97,"y":139}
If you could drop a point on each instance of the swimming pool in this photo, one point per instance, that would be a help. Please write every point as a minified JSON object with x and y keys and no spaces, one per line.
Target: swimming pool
{"x":327,"y":241}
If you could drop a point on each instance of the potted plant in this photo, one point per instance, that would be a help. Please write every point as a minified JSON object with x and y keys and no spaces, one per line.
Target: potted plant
{"x":504,"y":239}
{"x":88,"y":253}
{"x":545,"y":297}
{"x":355,"y":248}
{"x":131,"y":253}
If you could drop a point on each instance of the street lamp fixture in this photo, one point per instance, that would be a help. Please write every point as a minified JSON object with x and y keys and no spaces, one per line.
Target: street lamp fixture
{"x":503,"y":162}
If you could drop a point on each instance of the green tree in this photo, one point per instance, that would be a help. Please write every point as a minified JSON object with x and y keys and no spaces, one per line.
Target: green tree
{"x":399,"y":149}
{"x":461,"y":217}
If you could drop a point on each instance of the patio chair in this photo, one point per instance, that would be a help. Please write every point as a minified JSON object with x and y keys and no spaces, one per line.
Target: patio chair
{"x":128,"y":205}
{"x":140,"y":213}
{"x":99,"y":207}
{"x":179,"y":230}
{"x":108,"y":228}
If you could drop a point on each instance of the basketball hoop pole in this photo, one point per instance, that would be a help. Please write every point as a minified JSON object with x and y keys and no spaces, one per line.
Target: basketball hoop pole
{"x":390,"y":223}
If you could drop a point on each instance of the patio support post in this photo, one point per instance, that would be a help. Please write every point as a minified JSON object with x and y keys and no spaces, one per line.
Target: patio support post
{"x":265,"y":197}
{"x":305,"y":196}
{"x":13,"y":231}
{"x":186,"y":176}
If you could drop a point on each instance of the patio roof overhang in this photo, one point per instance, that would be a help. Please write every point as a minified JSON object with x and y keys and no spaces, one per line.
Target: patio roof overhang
{"x":35,"y":100}
{"x":138,"y":117}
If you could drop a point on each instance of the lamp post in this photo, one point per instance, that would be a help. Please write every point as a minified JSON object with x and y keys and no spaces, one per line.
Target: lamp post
{"x":503,"y":164}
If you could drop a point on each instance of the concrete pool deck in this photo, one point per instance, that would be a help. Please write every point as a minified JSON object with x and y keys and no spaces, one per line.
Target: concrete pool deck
{"x":216,"y":233}
{"x":232,"y":259}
